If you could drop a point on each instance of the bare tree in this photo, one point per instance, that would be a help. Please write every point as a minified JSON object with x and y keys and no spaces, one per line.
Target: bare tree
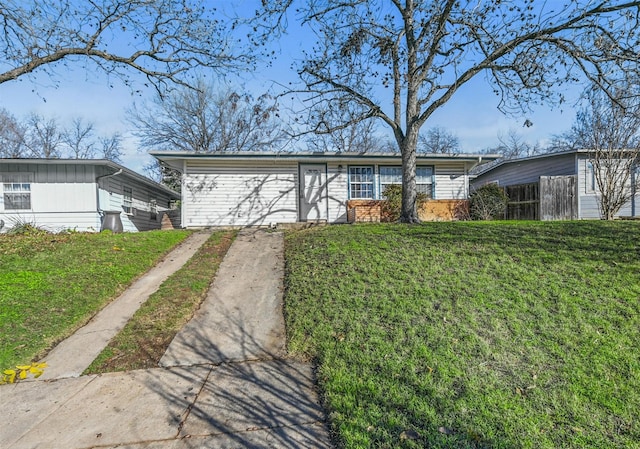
{"x":79,"y":139}
{"x":12,"y":136}
{"x":423,"y":52}
{"x":162,"y":173}
{"x":204,"y":121}
{"x":438,"y":140}
{"x":512,"y":145}
{"x":610,"y":129}
{"x":43,"y":137}
{"x":110,"y":147}
{"x":330,"y":135}
{"x":165,"y":40}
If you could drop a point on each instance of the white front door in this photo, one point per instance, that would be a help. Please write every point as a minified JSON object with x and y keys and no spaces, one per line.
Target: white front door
{"x":313,"y":192}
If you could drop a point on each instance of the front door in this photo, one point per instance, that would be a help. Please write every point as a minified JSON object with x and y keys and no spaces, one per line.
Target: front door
{"x":313,"y":192}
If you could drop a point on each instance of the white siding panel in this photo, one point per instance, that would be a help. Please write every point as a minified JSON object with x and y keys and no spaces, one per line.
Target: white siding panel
{"x":54,"y":221}
{"x":338,"y":187}
{"x":112,"y":198}
{"x":71,"y":197}
{"x":588,"y":193}
{"x":451,"y":182}
{"x":227,"y":195}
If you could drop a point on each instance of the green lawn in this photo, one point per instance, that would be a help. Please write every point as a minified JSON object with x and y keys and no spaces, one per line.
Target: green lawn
{"x":51,"y":284}
{"x":456,"y":335}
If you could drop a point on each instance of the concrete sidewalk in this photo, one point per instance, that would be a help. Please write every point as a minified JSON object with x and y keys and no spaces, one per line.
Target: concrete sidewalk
{"x":224,"y":383}
{"x":74,"y":355}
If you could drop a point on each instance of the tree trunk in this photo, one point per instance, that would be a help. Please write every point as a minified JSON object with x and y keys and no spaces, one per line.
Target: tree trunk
{"x":409,"y":213}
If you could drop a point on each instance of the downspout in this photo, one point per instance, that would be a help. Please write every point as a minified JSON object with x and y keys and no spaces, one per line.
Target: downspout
{"x":98,"y":188}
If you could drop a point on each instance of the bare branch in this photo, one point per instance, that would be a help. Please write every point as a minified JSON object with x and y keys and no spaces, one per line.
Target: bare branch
{"x":165,"y":40}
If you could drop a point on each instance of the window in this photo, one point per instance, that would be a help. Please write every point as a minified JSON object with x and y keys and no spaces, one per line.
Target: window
{"x":589,"y":178}
{"x":389,"y":176}
{"x":361,"y":182}
{"x":16,"y":191}
{"x":127,"y":200}
{"x":424,"y":180}
{"x":153,"y":209}
{"x":393,"y":175}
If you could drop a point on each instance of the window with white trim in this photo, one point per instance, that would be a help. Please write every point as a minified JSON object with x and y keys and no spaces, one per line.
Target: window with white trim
{"x":127,"y":200}
{"x":393,"y":175}
{"x":589,"y":178}
{"x":153,"y":209}
{"x":16,"y":191}
{"x":360,"y":183}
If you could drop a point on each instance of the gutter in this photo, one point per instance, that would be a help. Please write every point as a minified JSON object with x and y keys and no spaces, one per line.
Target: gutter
{"x":100,"y":211}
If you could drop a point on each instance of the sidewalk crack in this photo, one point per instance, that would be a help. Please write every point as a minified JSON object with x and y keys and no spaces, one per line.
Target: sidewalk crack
{"x":187,"y":412}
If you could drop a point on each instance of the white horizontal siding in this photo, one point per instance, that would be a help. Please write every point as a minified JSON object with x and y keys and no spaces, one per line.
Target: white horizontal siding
{"x":588,"y":193}
{"x":70,"y":197}
{"x":112,"y":198}
{"x":88,"y":221}
{"x":338,"y":191}
{"x":451,"y":182}
{"x":250,"y":195}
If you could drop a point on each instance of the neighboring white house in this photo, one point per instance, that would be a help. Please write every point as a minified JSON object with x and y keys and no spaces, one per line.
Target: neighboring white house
{"x":580,"y":200}
{"x":243,"y":189}
{"x":59,"y":194}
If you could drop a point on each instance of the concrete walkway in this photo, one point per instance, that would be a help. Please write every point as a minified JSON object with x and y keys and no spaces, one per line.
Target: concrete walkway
{"x":223,"y":384}
{"x":74,"y":355}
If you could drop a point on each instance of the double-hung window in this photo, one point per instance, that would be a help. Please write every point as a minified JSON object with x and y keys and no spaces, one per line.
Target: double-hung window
{"x":153,"y":209}
{"x":589,"y":178}
{"x":127,"y":200}
{"x":389,"y":176}
{"x":360,"y":183}
{"x":16,"y":189}
{"x":424,"y":181}
{"x":393,"y":175}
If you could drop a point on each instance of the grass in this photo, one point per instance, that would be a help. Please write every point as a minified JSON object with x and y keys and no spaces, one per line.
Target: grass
{"x":52,"y":284}
{"x":471,"y":335}
{"x":145,"y":338}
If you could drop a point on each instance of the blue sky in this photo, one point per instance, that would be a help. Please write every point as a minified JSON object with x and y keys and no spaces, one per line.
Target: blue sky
{"x":471,"y":114}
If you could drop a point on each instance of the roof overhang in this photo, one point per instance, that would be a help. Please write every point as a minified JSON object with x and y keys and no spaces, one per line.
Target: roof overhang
{"x":97,"y":163}
{"x":175,"y":159}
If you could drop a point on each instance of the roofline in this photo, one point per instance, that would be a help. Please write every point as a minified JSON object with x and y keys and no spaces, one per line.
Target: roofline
{"x":316,"y":156}
{"x":534,"y":157}
{"x":98,"y":162}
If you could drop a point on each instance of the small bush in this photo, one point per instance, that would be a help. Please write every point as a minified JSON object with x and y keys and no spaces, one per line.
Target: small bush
{"x":487,"y":203}
{"x":392,"y":204}
{"x":24,"y":227}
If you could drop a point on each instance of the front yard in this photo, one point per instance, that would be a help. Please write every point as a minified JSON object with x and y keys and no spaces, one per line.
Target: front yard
{"x":464,"y":335}
{"x":52,"y":284}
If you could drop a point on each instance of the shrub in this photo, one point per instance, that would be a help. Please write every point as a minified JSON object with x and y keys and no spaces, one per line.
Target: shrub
{"x":487,"y":203}
{"x":392,"y":204}
{"x":22,"y":226}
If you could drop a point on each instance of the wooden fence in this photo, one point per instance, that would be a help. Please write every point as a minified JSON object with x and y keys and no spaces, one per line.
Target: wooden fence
{"x":551,"y":198}
{"x":524,"y":202}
